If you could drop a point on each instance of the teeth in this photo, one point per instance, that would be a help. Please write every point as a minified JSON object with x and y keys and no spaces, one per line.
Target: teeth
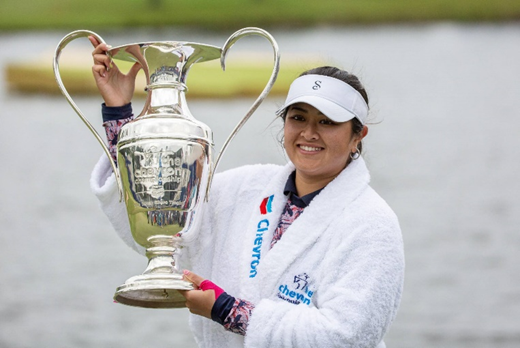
{"x":309,"y":148}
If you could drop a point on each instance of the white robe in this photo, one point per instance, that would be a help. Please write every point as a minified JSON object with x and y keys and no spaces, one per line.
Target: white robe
{"x":333,"y":280}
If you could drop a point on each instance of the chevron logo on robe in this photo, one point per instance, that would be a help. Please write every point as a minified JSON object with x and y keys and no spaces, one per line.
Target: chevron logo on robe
{"x":265,"y":206}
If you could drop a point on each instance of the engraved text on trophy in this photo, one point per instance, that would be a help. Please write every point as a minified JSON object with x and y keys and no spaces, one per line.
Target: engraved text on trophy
{"x":162,"y":181}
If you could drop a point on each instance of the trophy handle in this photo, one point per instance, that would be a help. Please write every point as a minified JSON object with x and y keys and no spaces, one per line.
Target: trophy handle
{"x":64,"y":42}
{"x":276,"y":67}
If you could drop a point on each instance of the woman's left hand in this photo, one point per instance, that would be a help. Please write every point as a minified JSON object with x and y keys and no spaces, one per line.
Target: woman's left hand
{"x":201,"y":300}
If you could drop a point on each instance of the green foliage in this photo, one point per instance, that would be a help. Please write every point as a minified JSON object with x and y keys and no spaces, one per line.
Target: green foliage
{"x":243,"y":77}
{"x":231,"y":14}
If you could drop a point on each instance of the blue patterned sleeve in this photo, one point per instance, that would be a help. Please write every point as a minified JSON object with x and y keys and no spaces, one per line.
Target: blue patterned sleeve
{"x":232,"y":313}
{"x":113,"y":119}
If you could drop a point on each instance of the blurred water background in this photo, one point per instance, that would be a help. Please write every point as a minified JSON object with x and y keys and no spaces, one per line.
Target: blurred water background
{"x":444,"y":153}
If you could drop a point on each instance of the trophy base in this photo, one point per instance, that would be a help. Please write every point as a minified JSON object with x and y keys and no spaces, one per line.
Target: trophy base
{"x":153,"y":291}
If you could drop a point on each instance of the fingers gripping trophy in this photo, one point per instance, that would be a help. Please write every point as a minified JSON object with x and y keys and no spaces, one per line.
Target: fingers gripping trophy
{"x":164,"y":158}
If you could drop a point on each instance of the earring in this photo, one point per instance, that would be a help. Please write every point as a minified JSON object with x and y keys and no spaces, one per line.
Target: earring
{"x":355,"y":155}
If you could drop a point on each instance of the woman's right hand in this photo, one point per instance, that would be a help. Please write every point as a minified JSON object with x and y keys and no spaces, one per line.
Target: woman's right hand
{"x":116,"y":88}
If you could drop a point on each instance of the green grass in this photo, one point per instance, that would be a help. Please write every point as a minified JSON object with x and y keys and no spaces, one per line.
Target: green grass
{"x":232,"y":14}
{"x":243,"y":77}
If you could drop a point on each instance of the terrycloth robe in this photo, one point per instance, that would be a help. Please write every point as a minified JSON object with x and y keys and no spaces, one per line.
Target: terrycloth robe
{"x":333,"y":280}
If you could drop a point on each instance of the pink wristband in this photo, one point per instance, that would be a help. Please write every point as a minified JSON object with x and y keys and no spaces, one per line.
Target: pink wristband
{"x":209,"y":285}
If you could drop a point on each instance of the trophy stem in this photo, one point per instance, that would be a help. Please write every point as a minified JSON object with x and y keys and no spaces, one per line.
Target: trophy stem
{"x":161,"y":255}
{"x":158,"y":286}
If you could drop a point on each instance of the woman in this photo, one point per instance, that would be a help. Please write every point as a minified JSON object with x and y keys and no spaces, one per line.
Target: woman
{"x":308,"y":254}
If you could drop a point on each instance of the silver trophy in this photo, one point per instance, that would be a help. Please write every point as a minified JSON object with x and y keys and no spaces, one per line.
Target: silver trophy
{"x":164,"y":161}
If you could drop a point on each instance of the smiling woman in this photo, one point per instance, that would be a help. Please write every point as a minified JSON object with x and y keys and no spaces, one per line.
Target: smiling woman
{"x":318,"y":147}
{"x":308,"y":254}
{"x":321,"y":146}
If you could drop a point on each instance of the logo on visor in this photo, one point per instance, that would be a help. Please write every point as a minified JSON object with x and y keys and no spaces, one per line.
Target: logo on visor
{"x":317,"y":85}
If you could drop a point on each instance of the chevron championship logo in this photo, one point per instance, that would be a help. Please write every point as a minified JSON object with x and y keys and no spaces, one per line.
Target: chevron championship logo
{"x":297,"y":292}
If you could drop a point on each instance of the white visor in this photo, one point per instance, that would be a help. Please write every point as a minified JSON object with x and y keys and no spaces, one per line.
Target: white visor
{"x":332,"y":97}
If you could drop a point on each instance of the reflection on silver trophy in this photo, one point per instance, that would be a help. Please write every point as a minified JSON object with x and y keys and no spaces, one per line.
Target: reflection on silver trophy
{"x":164,"y":160}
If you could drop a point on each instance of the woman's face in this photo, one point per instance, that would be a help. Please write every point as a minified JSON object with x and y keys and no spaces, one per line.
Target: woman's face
{"x":317,"y":146}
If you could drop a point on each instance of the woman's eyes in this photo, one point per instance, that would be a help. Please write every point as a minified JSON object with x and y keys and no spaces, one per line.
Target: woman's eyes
{"x":300,"y":118}
{"x":328,"y":122}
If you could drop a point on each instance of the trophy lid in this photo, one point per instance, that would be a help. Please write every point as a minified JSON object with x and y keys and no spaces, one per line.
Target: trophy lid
{"x":166,"y":56}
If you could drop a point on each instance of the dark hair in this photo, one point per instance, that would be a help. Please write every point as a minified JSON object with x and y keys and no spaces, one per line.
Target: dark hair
{"x":345,"y":76}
